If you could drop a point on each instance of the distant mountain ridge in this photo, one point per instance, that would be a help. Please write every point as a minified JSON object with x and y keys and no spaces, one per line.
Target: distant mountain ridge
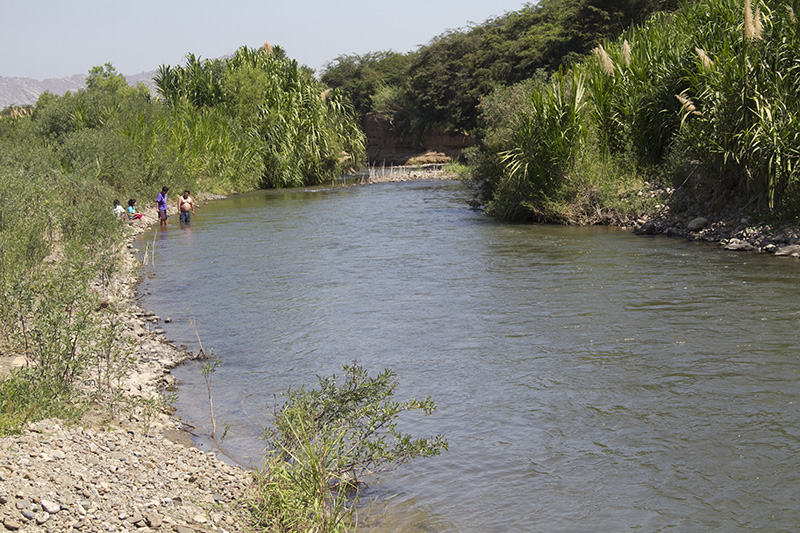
{"x":26,"y":91}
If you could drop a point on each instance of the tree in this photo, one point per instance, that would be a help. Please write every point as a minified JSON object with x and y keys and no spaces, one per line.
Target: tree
{"x":105,"y":79}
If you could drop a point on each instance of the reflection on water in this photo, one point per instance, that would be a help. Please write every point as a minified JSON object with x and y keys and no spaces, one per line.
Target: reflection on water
{"x":587,"y":379}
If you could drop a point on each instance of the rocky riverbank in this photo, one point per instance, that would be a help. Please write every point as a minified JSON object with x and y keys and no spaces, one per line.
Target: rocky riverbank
{"x":732,"y":232}
{"x":131,"y":467}
{"x":127,"y":468}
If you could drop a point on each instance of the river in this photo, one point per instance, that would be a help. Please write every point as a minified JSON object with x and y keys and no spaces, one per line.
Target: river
{"x":586,"y":379}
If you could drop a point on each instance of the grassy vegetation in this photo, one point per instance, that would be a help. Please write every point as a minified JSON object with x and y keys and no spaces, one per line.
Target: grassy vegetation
{"x":57,"y":243}
{"x":704,"y":99}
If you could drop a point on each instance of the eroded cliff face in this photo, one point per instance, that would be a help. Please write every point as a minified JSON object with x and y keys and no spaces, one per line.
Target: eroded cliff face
{"x":385,"y":146}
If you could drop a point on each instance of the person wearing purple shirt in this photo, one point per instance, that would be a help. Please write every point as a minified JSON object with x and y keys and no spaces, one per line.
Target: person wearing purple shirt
{"x":161,"y":205}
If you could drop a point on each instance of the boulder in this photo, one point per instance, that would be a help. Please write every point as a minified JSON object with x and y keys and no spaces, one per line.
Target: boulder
{"x":738,"y":245}
{"x":696,"y":224}
{"x":792,"y":249}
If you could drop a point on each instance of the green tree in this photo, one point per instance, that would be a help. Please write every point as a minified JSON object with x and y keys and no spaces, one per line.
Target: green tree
{"x":106,"y":79}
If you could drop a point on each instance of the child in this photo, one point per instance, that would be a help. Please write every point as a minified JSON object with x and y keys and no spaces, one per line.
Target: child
{"x":132,"y":214}
{"x":118,"y":210}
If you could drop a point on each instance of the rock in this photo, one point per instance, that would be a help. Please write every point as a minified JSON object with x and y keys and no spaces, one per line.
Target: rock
{"x":50,"y":506}
{"x":738,"y":245}
{"x":153,"y":519}
{"x":11,"y":524}
{"x":58,"y":454}
{"x":696,"y":224}
{"x":648,"y":228}
{"x":791,"y":249}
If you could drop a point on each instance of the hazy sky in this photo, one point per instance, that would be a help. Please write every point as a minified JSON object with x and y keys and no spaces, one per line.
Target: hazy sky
{"x":56,"y":38}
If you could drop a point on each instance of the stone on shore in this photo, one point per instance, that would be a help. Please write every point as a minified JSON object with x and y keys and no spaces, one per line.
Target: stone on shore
{"x":696,"y":224}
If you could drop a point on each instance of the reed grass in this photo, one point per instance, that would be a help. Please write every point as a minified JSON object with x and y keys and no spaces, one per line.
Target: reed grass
{"x":655,"y":98}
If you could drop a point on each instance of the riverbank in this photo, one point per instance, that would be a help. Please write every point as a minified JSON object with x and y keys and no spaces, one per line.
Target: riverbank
{"x":125,"y":468}
{"x":131,"y":467}
{"x":733,"y":232}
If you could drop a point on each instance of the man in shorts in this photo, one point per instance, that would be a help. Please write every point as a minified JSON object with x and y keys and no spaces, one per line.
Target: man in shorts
{"x":185,"y":208}
{"x":161,"y":205}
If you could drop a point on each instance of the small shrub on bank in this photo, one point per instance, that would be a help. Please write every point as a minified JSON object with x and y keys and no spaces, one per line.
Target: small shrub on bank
{"x":324,"y":442}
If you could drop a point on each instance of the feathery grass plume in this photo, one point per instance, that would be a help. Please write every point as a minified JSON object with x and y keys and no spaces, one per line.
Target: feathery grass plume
{"x":324,"y":94}
{"x":626,"y":53}
{"x":752,"y":22}
{"x":758,"y":28}
{"x":749,"y":27}
{"x":707,"y":63}
{"x":687,"y":106}
{"x":792,"y":16}
{"x":604,"y":59}
{"x":267,"y":47}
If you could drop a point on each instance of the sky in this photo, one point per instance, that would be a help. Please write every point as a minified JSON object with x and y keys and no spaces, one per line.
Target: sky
{"x":58,"y":38}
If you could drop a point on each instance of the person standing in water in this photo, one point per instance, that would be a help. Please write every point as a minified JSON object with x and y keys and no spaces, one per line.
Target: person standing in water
{"x":185,"y":207}
{"x":161,"y":205}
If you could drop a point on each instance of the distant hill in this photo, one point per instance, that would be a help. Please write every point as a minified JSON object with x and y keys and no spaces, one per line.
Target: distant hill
{"x":25,"y":91}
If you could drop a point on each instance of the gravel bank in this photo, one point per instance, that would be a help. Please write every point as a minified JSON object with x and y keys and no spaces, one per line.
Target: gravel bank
{"x":134,"y":470}
{"x":735,"y":233}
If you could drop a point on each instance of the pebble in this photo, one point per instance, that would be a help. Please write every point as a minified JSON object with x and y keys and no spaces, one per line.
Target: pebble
{"x":171,"y":491}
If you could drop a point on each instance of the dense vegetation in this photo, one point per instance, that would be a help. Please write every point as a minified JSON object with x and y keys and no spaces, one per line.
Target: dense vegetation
{"x":439,"y":85}
{"x":596,"y":111}
{"x":703,"y":100}
{"x":254,"y":120}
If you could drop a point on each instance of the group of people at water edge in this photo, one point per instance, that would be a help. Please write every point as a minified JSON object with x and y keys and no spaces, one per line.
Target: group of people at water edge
{"x":185,"y":209}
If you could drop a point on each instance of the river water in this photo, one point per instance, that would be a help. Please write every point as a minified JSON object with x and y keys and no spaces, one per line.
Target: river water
{"x":587,"y":379}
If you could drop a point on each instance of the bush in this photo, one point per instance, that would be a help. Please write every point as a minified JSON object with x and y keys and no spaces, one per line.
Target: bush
{"x":324,"y":441}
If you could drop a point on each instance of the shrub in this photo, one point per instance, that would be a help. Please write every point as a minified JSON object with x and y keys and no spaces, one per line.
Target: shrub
{"x":324,"y":441}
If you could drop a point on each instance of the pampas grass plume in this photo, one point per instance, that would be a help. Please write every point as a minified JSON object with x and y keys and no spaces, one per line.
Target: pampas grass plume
{"x":707,"y":63}
{"x":752,"y":22}
{"x":626,"y":53}
{"x":605,"y":60}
